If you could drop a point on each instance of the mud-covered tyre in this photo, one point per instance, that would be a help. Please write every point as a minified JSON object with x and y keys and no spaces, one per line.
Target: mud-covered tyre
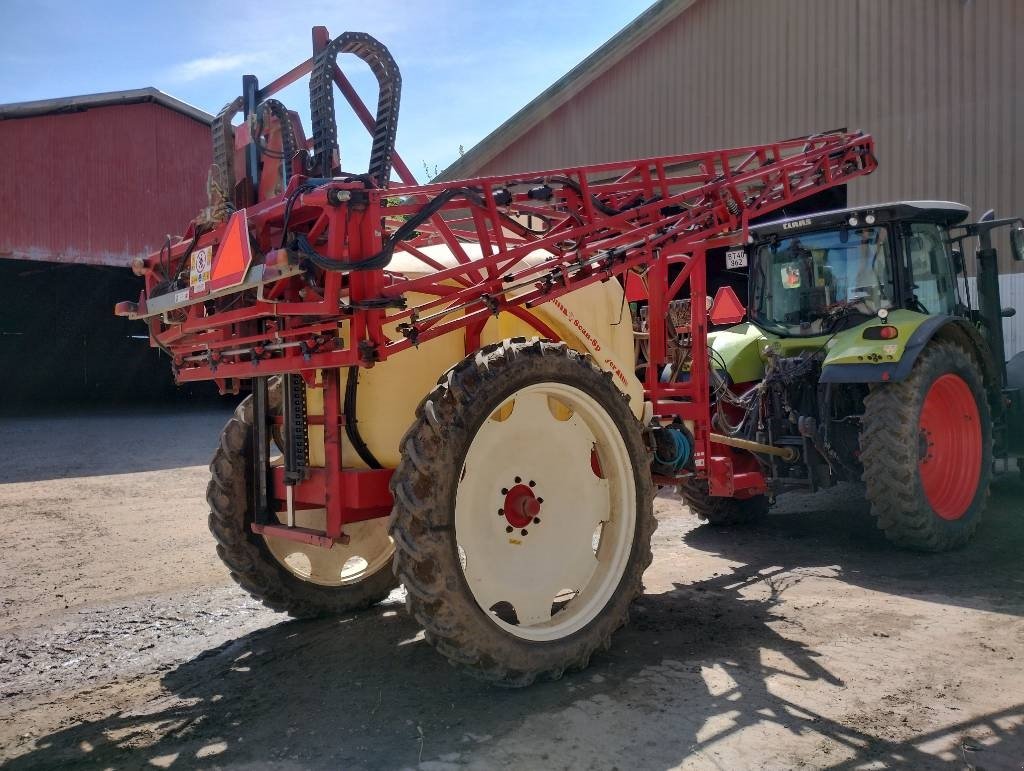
{"x":720,"y":512}
{"x":249,"y":558}
{"x":523,"y":512}
{"x":926,"y":448}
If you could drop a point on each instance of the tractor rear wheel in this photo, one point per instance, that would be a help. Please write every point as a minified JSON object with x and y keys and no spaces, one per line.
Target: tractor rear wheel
{"x":720,"y":512}
{"x":926,"y":447}
{"x":302,"y":580}
{"x":523,"y":511}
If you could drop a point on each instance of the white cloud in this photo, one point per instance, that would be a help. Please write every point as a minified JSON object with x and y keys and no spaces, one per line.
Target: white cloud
{"x":197,"y":69}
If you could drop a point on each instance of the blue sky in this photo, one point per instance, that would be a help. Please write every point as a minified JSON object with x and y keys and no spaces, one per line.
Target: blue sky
{"x":466,"y":66}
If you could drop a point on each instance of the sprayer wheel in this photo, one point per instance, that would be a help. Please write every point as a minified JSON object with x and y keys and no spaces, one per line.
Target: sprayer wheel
{"x":926,"y":447}
{"x":720,"y":512}
{"x":301,"y":580}
{"x":523,"y":511}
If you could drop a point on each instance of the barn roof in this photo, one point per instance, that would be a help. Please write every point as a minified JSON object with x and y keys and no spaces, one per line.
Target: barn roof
{"x":566,"y":87}
{"x":68,"y":104}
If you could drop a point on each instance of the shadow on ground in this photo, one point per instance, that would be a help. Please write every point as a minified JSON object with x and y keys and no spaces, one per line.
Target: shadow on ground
{"x":368,"y":692}
{"x":833,"y":529}
{"x":698,"y":664}
{"x":93,"y":443}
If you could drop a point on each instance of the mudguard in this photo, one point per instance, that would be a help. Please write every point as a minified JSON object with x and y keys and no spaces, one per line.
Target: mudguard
{"x":893,"y":361}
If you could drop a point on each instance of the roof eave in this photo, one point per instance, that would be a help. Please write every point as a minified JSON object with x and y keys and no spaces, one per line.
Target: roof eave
{"x":566,"y":87}
{"x":106,"y":99}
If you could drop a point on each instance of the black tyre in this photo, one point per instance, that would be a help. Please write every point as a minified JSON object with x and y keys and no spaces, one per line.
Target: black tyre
{"x":523,"y":512}
{"x":926,"y":447}
{"x":720,"y":512}
{"x":272,"y":570}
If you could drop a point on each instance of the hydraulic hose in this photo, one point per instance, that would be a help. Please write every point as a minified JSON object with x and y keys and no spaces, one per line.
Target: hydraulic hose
{"x":351,"y":424}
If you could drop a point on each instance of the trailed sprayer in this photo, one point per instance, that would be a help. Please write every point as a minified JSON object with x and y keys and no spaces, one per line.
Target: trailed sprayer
{"x":474,"y":388}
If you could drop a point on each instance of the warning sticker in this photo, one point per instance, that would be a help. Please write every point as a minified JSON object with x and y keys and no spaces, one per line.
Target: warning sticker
{"x":199,"y":273}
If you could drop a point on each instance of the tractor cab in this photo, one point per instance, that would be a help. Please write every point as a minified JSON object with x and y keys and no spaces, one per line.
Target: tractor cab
{"x":821,"y":274}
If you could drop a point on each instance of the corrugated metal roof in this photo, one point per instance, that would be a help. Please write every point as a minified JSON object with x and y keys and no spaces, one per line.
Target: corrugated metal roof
{"x":566,"y":87}
{"x":69,"y":104}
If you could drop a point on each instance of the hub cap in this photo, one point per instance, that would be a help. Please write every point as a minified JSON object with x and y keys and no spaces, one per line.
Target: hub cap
{"x":545,"y":512}
{"x":950,"y":447}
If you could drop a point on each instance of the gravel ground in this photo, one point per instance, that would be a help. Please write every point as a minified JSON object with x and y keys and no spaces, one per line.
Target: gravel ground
{"x":806,"y":641}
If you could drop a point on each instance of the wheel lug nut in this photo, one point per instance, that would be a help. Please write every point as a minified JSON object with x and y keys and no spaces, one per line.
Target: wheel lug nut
{"x":504,"y":491}
{"x":508,"y":529}
{"x":536,"y":520}
{"x":501,"y":512}
{"x":518,"y":480}
{"x":523,"y":532}
{"x":532,"y":483}
{"x":540,"y":500}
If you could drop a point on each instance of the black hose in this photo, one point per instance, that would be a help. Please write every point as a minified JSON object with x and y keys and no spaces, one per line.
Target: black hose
{"x":351,"y":427}
{"x":408,"y":228}
{"x":405,"y":231}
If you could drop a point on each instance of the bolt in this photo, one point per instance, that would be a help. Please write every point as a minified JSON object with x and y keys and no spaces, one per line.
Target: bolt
{"x":518,"y":480}
{"x":540,"y":500}
{"x":523,"y":532}
{"x":501,"y":512}
{"x":504,"y":491}
{"x":532,"y":483}
{"x":536,"y":520}
{"x":508,"y":529}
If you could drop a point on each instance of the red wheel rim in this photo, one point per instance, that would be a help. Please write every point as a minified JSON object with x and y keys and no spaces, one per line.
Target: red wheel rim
{"x":949,"y":453}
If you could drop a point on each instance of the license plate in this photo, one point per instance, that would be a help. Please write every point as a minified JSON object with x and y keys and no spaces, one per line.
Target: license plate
{"x":735,"y":258}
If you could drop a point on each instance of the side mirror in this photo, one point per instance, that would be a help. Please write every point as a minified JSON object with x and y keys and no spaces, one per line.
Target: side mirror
{"x":1017,"y":242}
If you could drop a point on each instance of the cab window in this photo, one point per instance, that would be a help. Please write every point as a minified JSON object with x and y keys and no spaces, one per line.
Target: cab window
{"x":931,"y":269}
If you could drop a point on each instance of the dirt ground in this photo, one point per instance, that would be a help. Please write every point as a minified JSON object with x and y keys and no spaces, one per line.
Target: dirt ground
{"x":805,"y":642}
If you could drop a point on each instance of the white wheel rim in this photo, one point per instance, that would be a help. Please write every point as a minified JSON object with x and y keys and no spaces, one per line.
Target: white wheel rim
{"x":587,"y":523}
{"x":368,"y":550}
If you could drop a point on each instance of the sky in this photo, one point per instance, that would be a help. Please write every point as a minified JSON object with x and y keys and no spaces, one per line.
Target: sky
{"x":466,"y":65}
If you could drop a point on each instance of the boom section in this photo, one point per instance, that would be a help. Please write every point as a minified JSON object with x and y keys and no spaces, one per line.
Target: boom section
{"x":339,"y":271}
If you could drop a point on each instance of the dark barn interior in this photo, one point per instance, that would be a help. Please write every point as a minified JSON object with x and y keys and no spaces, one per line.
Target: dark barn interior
{"x":62,"y":345}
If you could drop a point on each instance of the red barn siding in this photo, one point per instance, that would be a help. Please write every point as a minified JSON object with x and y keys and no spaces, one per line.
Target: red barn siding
{"x":99,"y":186}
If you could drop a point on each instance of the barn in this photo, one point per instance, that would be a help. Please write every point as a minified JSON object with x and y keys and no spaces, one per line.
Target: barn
{"x":935,"y":81}
{"x":92,"y":182}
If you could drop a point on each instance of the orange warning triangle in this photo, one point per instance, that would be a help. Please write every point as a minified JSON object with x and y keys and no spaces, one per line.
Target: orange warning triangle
{"x":727,"y":308}
{"x":233,"y":255}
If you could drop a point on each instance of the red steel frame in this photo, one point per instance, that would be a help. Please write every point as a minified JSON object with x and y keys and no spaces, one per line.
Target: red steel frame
{"x":602,"y":221}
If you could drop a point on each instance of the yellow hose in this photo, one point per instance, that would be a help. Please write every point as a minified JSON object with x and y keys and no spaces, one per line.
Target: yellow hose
{"x":786,"y":453}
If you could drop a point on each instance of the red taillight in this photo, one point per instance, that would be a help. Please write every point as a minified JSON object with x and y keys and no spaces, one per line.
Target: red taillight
{"x":881,"y":333}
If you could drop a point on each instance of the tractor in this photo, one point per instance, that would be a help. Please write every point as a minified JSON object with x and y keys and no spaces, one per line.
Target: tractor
{"x":447,"y":391}
{"x":865,"y":354}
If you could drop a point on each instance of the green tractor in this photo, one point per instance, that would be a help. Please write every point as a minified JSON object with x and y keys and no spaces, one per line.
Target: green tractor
{"x":867,"y":357}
